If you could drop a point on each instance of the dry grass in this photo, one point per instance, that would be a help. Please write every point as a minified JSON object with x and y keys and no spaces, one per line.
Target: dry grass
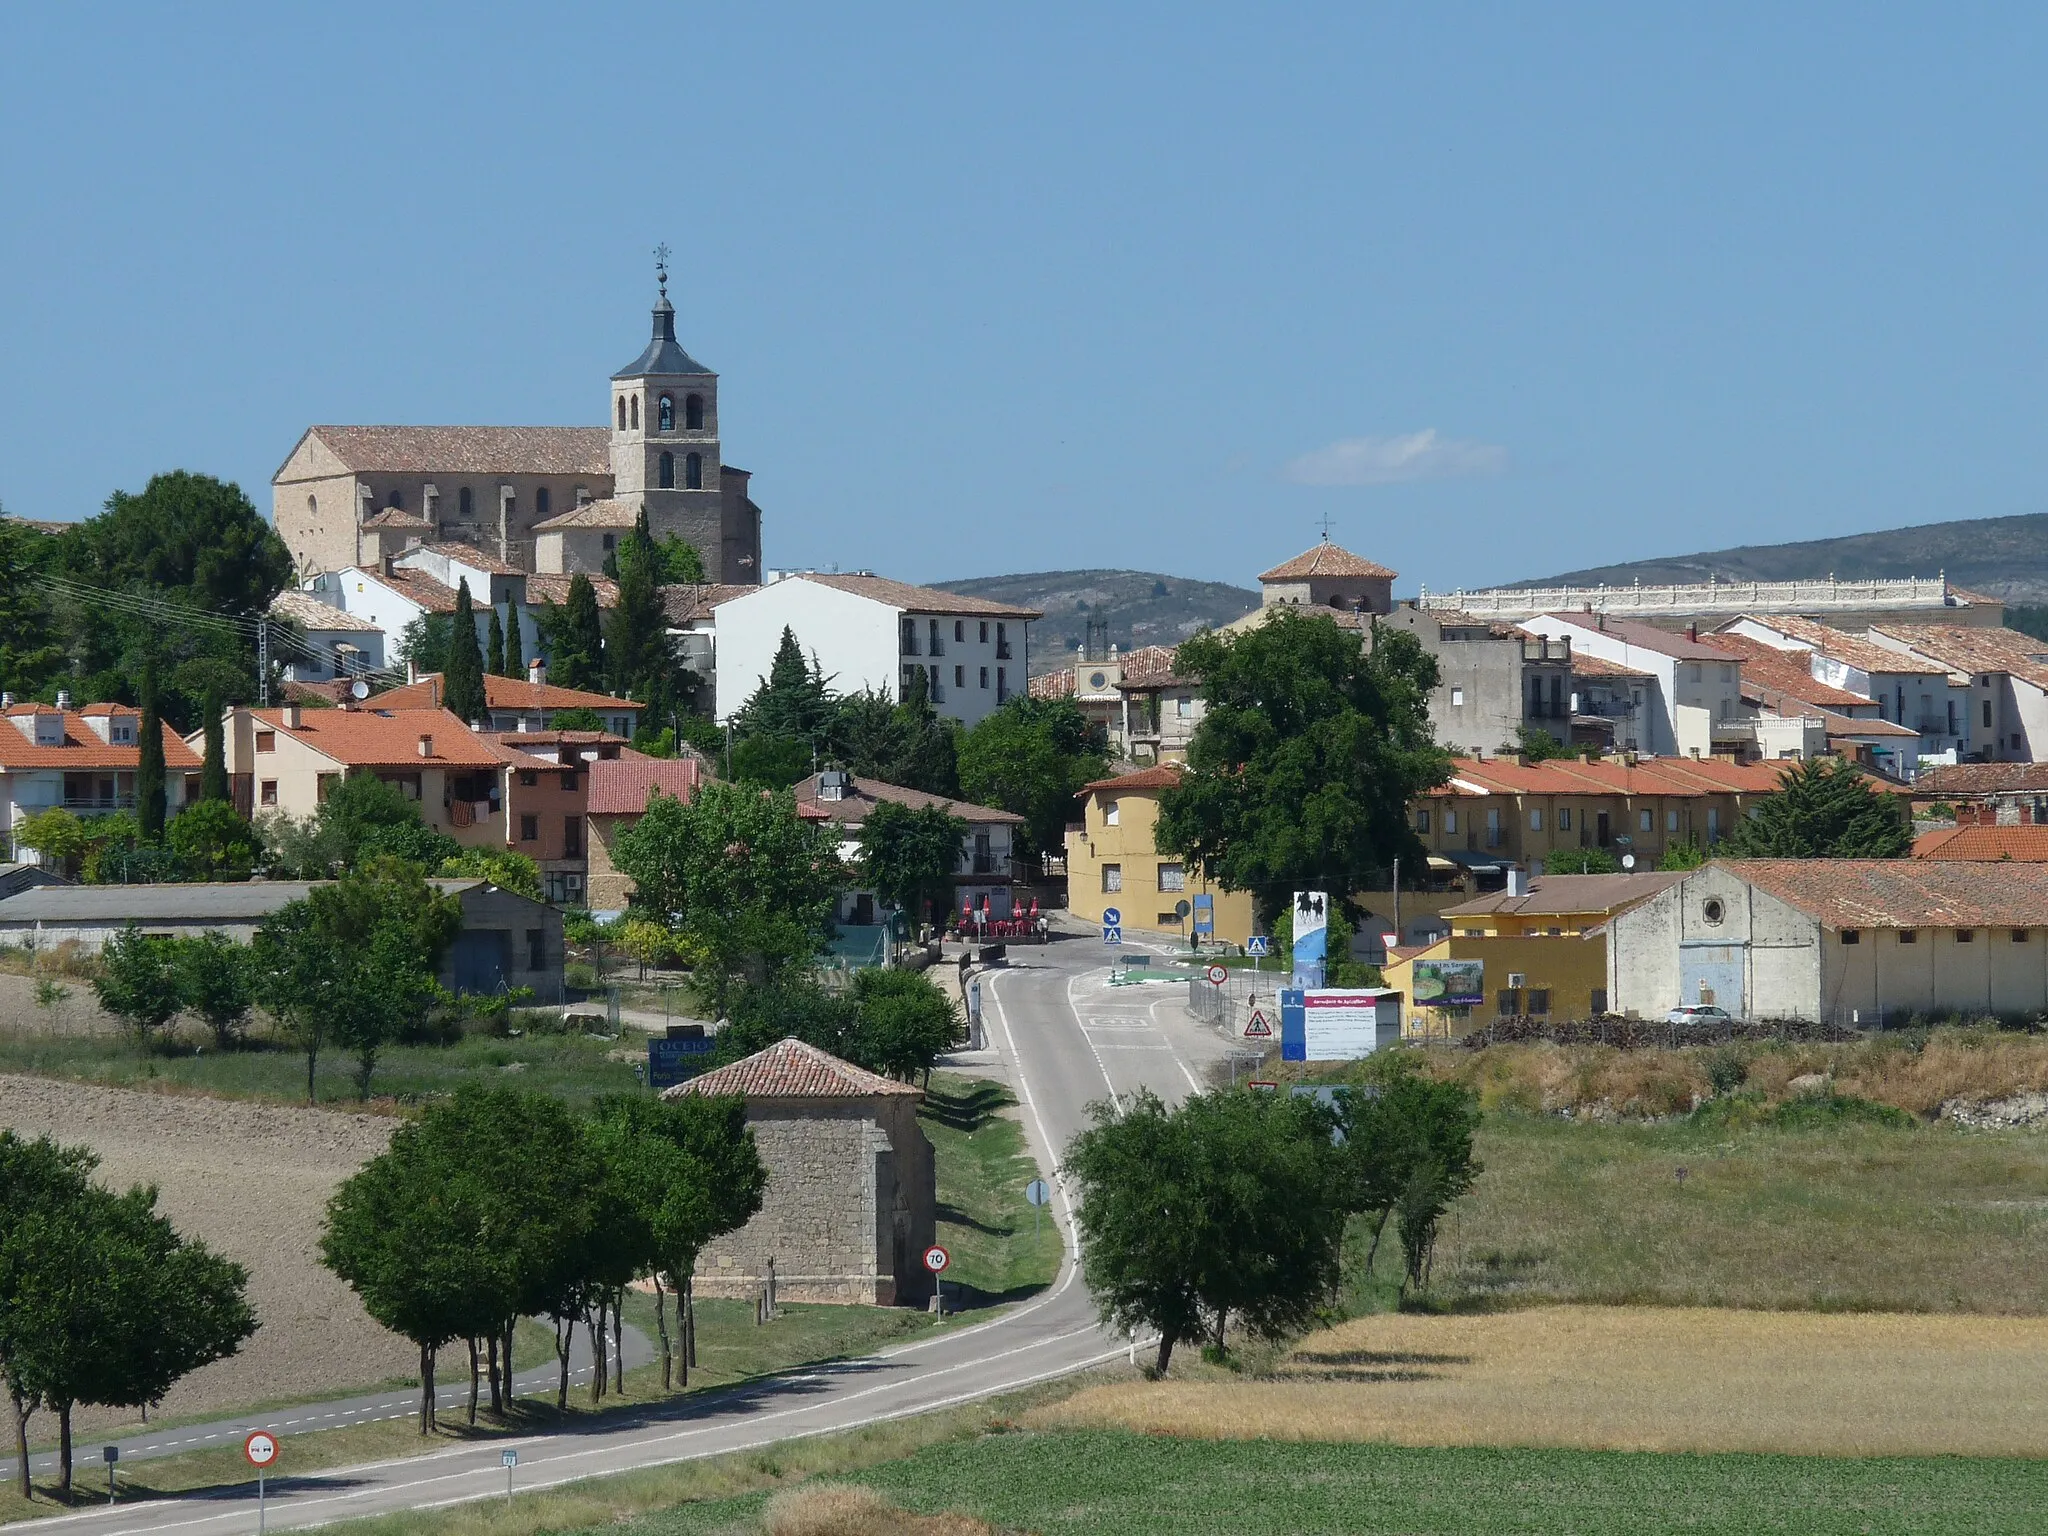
{"x":841,"y":1509}
{"x":1613,"y":1378}
{"x":1911,"y":1071}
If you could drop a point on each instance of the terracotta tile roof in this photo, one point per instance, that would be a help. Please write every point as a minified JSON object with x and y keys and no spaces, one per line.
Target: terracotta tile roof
{"x":373,"y":737}
{"x":1968,"y":781}
{"x":622,"y":786}
{"x":397,"y":517}
{"x":472,"y":450}
{"x":1969,"y":649}
{"x":1671,"y":776}
{"x":1903,"y":893}
{"x":420,"y":588}
{"x":1770,"y":666}
{"x":475,"y":556}
{"x":82,"y":745}
{"x":1633,"y":632}
{"x":1152,"y":666}
{"x":310,"y":613}
{"x":1163,"y":776}
{"x":1053,"y":685}
{"x":1847,"y":727}
{"x":499,"y":693}
{"x":1557,"y":895}
{"x":901,"y":594}
{"x":2027,"y":845}
{"x":1585,"y":664}
{"x":868,"y":793}
{"x":546,"y":587}
{"x":687,"y":604}
{"x":1326,"y":559}
{"x":790,"y":1069}
{"x":1864,"y":655}
{"x":606,"y":512}
{"x":519,"y":740}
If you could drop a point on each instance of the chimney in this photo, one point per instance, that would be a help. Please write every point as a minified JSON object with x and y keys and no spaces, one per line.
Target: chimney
{"x":6,"y":701}
{"x":537,"y":672}
{"x":291,"y":717}
{"x":426,"y":746}
{"x":1518,"y":881}
{"x":412,"y":673}
{"x":1692,"y":630}
{"x":64,"y":699}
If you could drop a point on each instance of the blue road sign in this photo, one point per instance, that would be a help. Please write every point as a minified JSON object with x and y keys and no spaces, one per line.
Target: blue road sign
{"x":1112,"y":935}
{"x":677,"y":1061}
{"x":1205,"y":914}
{"x":1112,"y":918}
{"x":1258,"y":945}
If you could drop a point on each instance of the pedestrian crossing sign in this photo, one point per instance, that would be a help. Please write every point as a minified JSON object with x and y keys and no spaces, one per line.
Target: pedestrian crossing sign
{"x":1258,"y":1028}
{"x":1112,"y":935}
{"x":1258,"y":945}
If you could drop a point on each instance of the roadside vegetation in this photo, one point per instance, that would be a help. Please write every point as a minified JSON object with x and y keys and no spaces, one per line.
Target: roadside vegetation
{"x":1001,"y":1249}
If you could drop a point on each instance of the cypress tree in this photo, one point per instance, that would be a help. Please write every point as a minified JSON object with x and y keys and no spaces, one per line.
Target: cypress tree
{"x":637,"y":660}
{"x":213,"y":773}
{"x":494,"y":648}
{"x":462,"y":685}
{"x":515,"y":645}
{"x":149,"y":765}
{"x":578,"y":659}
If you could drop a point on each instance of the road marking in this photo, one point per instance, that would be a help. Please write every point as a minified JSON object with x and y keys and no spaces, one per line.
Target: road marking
{"x":1101,"y":1066}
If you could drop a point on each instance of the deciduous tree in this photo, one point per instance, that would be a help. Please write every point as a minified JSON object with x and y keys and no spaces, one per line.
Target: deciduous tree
{"x":216,"y":980}
{"x":507,"y":870}
{"x":213,"y":842}
{"x":909,"y":856}
{"x":1032,"y":756}
{"x":138,"y":981}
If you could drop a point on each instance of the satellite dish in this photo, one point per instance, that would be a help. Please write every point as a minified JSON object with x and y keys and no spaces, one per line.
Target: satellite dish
{"x":1628,"y":861}
{"x":359,"y":689}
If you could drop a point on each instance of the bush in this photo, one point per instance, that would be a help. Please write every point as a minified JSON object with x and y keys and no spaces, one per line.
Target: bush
{"x":1727,"y":1071}
{"x":1822,"y":1111}
{"x":580,"y":976}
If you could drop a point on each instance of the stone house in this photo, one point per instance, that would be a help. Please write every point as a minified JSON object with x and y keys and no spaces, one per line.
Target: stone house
{"x":618,"y":791}
{"x":851,"y":1203}
{"x":1494,"y":678}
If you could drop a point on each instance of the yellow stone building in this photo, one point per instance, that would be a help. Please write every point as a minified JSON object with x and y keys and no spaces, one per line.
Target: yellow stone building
{"x":1113,"y":862}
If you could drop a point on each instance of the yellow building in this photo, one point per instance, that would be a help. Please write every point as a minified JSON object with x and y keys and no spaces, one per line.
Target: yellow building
{"x":1543,"y":944}
{"x":1113,"y":862}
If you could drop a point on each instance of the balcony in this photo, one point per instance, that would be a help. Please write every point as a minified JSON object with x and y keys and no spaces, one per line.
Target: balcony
{"x":1936,"y":725}
{"x":910,"y":647}
{"x":1002,"y":650}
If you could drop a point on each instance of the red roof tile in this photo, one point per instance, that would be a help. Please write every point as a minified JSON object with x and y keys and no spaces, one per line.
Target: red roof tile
{"x":1971,"y":781}
{"x":472,"y":450}
{"x":379,"y":738}
{"x":82,"y":745}
{"x":1903,"y":893}
{"x":1164,"y":776}
{"x":1326,"y":559}
{"x":499,"y":693}
{"x":622,"y":786}
{"x":2027,"y":844}
{"x":868,"y":793}
{"x":790,"y":1069}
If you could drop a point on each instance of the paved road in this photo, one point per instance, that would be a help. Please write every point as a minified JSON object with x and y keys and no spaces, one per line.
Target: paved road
{"x":1067,"y":1039}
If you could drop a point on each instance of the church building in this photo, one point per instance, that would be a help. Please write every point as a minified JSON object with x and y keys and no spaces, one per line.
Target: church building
{"x":550,"y":500}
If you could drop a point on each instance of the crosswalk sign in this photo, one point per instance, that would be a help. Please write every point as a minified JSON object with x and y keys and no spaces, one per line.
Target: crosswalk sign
{"x":1112,"y":934}
{"x":1258,"y":1028}
{"x":1258,"y":945}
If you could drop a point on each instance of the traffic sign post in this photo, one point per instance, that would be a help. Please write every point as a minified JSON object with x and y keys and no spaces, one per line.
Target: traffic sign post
{"x":1258,"y":1027}
{"x":511,"y":1459}
{"x":1039,"y":1193}
{"x":112,"y":1454}
{"x":260,"y":1449}
{"x":936,"y":1259}
{"x":1112,"y":926}
{"x":1218,"y":975}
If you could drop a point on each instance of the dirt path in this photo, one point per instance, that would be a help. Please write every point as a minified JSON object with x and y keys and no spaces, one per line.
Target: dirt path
{"x":251,"y":1180}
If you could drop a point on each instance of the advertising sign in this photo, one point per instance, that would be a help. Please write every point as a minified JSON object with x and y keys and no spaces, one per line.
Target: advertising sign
{"x":1311,"y":937}
{"x":677,"y":1061}
{"x":1450,"y":983}
{"x":1337,"y":1023}
{"x":1205,"y":914}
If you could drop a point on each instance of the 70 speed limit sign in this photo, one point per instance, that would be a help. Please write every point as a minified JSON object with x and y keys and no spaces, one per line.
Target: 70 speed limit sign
{"x":936,"y":1258}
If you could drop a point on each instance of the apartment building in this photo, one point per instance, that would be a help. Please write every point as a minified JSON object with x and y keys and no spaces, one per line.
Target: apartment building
{"x":528,"y":704}
{"x":983,"y":874}
{"x":1147,"y":708}
{"x":1112,"y":861}
{"x":1493,"y":678}
{"x":1692,"y":706}
{"x":83,"y":760}
{"x":2000,"y":677}
{"x":1929,"y":697}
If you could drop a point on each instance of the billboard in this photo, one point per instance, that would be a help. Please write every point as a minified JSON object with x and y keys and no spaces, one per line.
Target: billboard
{"x":1338,"y":1023}
{"x":1311,"y":937}
{"x":1450,"y":983}
{"x":670,"y":1062}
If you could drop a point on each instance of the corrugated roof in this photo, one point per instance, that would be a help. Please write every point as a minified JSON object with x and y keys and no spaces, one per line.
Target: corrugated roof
{"x":2028,"y":844}
{"x":913,"y":599}
{"x":82,"y":746}
{"x":375,"y":737}
{"x":790,"y":1069}
{"x":868,"y":793}
{"x":1326,"y":559}
{"x":471,"y":450}
{"x":1557,"y":895}
{"x":198,"y":902}
{"x":1903,"y":893}
{"x":622,"y":786}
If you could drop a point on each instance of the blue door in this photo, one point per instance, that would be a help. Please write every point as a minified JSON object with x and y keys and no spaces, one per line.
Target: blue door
{"x":1712,"y":973}
{"x":481,"y":959}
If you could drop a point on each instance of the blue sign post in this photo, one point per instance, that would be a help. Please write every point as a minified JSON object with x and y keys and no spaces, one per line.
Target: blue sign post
{"x":670,"y":1062}
{"x":1205,"y":914}
{"x":1112,"y":926}
{"x":1259,"y":945}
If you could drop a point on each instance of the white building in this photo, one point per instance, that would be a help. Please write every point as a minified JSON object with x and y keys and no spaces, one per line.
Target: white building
{"x":338,"y":643}
{"x":983,"y":873}
{"x":1857,"y":942}
{"x":1693,"y":701}
{"x":1909,"y":690}
{"x":83,"y":760}
{"x":872,"y":633}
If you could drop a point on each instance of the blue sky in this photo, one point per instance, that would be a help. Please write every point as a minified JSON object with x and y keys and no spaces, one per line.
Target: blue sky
{"x":1502,"y":290}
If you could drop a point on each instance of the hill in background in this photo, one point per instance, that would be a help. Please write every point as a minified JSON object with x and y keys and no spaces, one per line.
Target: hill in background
{"x":2001,"y":556}
{"x":1140,"y":607}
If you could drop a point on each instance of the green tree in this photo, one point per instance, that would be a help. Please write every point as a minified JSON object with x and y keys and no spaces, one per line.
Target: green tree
{"x":1537,"y":744}
{"x":771,"y":761}
{"x":213,"y":769}
{"x":1031,"y":756}
{"x":60,"y":836}
{"x":677,"y":562}
{"x":794,"y":701}
{"x":1407,"y":1151}
{"x":31,"y":645}
{"x":462,"y":684}
{"x":138,"y":981}
{"x":1686,"y":855}
{"x":576,"y":720}
{"x":213,"y":842}
{"x":1301,"y":772}
{"x":905,"y":1023}
{"x":38,"y":1179}
{"x":746,"y":881}
{"x":494,"y":647}
{"x":149,"y":760}
{"x":216,"y":979}
{"x":639,"y":662}
{"x":426,"y":641}
{"x":909,"y":856}
{"x":185,"y":533}
{"x":515,"y":644}
{"x":362,"y":818}
{"x":574,"y":637}
{"x":508,"y":871}
{"x":1580,"y":861}
{"x":1823,"y":808}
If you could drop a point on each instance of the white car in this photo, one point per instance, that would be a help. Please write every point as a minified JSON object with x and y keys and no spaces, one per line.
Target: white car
{"x":1698,"y":1013}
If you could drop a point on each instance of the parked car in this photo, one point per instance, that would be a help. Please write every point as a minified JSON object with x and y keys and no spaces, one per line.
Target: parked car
{"x":1698,"y":1013}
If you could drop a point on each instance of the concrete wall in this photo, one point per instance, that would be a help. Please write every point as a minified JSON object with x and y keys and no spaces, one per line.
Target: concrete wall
{"x":1881,"y":978}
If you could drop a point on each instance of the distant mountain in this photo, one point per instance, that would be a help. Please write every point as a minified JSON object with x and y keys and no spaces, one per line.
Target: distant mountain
{"x":2000,"y":556}
{"x":1140,"y":607}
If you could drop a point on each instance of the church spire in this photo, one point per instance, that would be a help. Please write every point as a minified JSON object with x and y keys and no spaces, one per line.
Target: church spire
{"x":664,"y":355}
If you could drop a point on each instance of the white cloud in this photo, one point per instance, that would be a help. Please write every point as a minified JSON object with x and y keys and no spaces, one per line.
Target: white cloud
{"x":1389,"y":460}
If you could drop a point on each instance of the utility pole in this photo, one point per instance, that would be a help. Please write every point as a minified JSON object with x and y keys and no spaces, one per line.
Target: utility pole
{"x":263,"y":661}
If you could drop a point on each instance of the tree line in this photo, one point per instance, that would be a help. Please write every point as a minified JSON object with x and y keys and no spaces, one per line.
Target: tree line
{"x":499,"y":1203}
{"x":1233,"y":1207}
{"x":101,"y":1302}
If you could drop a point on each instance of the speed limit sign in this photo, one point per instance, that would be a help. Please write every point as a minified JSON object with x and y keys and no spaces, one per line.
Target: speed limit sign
{"x":1218,"y":974}
{"x":936,"y":1258}
{"x":260,"y":1448}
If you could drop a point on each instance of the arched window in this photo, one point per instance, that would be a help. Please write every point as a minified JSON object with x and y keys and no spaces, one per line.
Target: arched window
{"x":693,"y":413}
{"x":693,"y":472}
{"x":668,"y":413}
{"x":668,"y":471}
{"x":622,"y":413}
{"x":395,"y":500}
{"x":541,"y":499}
{"x":313,"y":504}
{"x":635,"y":413}
{"x":462,"y":501}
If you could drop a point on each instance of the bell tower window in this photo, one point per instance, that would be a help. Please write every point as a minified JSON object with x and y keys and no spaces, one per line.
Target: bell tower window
{"x":667,"y":417}
{"x":668,"y":471}
{"x":463,"y":502}
{"x":636,"y":413}
{"x":693,"y":413}
{"x":541,"y":500}
{"x":693,"y":471}
{"x":622,"y":413}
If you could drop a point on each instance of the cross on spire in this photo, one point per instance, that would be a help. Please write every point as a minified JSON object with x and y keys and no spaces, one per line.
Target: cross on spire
{"x":1326,"y":527}
{"x":661,"y":256}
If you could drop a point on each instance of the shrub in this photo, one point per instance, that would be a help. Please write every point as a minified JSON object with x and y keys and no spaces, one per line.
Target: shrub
{"x":1726,"y":1071}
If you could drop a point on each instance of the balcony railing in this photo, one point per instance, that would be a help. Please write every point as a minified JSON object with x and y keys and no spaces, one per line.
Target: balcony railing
{"x":1935,"y":725}
{"x":1002,"y":650}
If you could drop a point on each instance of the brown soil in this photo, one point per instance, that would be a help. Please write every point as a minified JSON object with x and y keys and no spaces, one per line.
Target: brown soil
{"x":252,"y":1181}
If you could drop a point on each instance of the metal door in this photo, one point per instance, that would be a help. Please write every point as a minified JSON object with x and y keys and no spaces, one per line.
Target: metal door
{"x":1712,"y":973}
{"x":481,"y":959}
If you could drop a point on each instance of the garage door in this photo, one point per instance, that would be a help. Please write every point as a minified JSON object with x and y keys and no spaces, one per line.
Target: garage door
{"x":1712,"y":973}
{"x":482,"y":959}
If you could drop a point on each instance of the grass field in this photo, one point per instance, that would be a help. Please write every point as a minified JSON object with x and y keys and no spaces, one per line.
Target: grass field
{"x":1832,"y":1216}
{"x":1001,"y":1249}
{"x":573,"y":1067}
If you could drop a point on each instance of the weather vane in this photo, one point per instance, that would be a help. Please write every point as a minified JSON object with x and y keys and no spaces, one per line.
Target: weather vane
{"x":1326,"y":527}
{"x":661,"y":255}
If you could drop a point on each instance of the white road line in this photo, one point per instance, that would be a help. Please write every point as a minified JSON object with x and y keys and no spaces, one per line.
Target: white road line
{"x":1114,"y":1097}
{"x":1194,"y":1083}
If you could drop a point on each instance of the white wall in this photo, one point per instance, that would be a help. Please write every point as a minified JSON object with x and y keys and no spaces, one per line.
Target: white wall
{"x":1658,"y":729}
{"x":855,"y":639}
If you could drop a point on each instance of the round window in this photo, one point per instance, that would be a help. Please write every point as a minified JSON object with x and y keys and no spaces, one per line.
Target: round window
{"x":1711,"y":911}
{"x":1096,"y":679}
